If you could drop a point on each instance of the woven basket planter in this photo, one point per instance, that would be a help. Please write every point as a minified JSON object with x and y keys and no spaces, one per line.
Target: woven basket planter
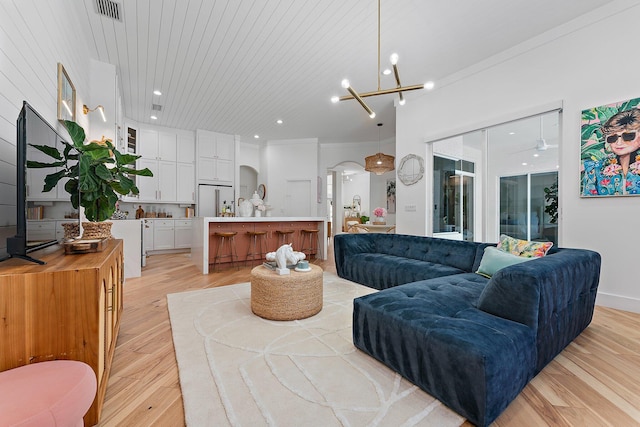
{"x":71,"y":230}
{"x":96,"y":230}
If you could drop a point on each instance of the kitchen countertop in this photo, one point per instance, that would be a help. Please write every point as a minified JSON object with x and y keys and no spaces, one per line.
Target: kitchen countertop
{"x":262,"y":218}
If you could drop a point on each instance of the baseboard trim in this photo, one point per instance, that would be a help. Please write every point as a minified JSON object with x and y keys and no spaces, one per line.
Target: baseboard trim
{"x":618,"y":302}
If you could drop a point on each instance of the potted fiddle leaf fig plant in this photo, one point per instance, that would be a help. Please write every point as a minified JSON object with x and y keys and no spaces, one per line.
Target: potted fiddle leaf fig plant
{"x":97,"y":173}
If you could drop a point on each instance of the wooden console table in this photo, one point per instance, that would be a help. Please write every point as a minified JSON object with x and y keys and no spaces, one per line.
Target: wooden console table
{"x":69,"y":308}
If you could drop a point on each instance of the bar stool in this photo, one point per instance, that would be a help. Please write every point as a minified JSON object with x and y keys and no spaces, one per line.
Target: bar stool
{"x":284,"y":237}
{"x":313,"y":242}
{"x":257,"y":240}
{"x":229,"y":238}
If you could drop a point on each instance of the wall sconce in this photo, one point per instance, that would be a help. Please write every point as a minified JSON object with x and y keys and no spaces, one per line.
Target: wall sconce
{"x":100,"y":108}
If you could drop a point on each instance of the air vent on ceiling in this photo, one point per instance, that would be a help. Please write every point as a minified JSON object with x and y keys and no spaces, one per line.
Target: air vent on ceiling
{"x":109,"y":8}
{"x":156,"y":107}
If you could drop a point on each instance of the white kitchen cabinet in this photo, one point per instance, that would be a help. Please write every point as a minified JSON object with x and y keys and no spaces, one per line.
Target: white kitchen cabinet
{"x":182,"y":233}
{"x":186,"y":149}
{"x":148,"y":144}
{"x":166,"y":181}
{"x":147,"y":231}
{"x":214,"y":171}
{"x":167,"y":146}
{"x":41,"y":230}
{"x":161,"y":187}
{"x":185,"y":183}
{"x":129,"y":231}
{"x":157,"y":145}
{"x":163,"y":234}
{"x":215,"y":152}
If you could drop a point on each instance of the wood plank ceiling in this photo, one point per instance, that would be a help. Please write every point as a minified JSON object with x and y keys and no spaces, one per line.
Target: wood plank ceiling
{"x":237,"y":66}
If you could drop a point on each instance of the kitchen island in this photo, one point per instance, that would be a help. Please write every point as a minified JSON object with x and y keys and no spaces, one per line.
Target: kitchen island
{"x":203,"y":243}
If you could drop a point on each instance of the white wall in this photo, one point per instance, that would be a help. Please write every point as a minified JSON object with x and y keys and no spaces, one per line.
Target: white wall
{"x":568,"y":66}
{"x":295,"y":160}
{"x":34,"y":37}
{"x":332,"y":154}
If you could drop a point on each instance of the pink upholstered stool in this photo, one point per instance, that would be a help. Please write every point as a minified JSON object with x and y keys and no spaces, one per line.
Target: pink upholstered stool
{"x":54,"y":393}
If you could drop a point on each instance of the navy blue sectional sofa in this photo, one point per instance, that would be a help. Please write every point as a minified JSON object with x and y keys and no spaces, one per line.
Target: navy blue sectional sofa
{"x":470,"y":341}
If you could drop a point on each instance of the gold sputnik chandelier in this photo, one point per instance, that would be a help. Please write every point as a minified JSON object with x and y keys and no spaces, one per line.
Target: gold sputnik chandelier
{"x":399,"y":89}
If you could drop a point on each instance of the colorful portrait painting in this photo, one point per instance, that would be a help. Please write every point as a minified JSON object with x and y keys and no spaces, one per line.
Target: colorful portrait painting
{"x":610,"y":150}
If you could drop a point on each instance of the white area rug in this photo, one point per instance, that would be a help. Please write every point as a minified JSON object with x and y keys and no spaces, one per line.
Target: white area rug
{"x":241,"y":370}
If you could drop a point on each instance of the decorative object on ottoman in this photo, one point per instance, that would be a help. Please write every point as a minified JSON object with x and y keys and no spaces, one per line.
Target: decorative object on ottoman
{"x":303,"y":266}
{"x":52,"y":393}
{"x":289,"y":297}
{"x":283,"y":256}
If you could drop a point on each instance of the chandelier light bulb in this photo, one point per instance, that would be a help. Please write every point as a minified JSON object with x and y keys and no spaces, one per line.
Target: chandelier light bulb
{"x":402,"y":101}
{"x":429,"y":85}
{"x":372,"y":115}
{"x":345,"y":84}
{"x":393,"y":58}
{"x":335,"y":99}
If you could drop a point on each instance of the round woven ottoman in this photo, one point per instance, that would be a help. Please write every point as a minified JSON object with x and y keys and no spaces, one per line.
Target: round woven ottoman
{"x":288,"y":297}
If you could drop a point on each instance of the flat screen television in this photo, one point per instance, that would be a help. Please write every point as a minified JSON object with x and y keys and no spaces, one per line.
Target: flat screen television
{"x":31,"y":129}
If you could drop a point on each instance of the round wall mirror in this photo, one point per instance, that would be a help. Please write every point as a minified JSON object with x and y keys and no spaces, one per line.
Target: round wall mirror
{"x":262,"y":191}
{"x":411,"y":169}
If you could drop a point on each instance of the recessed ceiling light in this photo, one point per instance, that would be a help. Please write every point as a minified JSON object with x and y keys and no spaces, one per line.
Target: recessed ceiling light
{"x":154,"y":118}
{"x":157,"y":92}
{"x":256,"y":136}
{"x":524,"y":163}
{"x":279,"y":121}
{"x":512,"y":133}
{"x":536,"y":155}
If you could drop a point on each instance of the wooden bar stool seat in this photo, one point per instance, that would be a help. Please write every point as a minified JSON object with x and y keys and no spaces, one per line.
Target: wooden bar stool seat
{"x":257,"y":245}
{"x":227,"y":237}
{"x":311,"y":247}
{"x":285,"y":236}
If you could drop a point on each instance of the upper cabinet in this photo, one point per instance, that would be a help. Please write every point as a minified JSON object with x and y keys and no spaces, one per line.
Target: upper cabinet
{"x":165,"y":152}
{"x":156,"y":145}
{"x":216,"y":156}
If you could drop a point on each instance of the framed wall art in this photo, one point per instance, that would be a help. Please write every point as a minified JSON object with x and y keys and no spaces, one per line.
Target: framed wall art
{"x":610,"y":150}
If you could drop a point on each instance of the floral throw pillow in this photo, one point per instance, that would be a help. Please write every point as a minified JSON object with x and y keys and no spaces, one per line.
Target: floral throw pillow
{"x":523,"y":248}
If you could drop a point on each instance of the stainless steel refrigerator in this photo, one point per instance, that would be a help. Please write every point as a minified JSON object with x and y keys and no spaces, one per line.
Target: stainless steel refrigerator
{"x":212,"y":198}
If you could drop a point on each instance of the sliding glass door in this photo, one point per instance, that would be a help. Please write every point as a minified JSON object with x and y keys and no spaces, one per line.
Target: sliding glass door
{"x":528,"y":206}
{"x":453,"y":195}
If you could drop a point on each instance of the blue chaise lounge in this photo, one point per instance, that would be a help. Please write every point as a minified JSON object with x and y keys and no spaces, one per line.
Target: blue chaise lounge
{"x":470,"y":341}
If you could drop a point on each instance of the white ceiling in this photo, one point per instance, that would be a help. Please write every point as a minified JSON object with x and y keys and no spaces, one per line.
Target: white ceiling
{"x":237,"y":66}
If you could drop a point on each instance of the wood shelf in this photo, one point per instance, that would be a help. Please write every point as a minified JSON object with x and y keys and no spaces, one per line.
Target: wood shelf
{"x":69,"y":308}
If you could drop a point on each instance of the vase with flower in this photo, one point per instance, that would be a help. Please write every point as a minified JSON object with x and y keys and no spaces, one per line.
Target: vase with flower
{"x":379,"y":214}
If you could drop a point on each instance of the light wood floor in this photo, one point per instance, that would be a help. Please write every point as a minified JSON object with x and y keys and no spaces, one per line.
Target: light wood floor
{"x":594,"y":382}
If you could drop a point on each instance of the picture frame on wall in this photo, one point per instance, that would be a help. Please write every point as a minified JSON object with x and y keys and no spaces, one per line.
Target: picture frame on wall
{"x":391,"y":196}
{"x":610,"y":150}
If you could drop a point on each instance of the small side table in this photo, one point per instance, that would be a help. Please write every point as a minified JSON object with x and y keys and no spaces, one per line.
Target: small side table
{"x":288,"y":297}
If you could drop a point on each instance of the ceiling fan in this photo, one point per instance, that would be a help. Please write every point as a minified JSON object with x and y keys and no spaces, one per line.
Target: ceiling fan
{"x":541,"y":143}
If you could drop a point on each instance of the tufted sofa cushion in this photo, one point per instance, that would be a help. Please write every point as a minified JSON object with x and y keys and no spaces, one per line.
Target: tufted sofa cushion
{"x":382,"y":261}
{"x":431,"y":333}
